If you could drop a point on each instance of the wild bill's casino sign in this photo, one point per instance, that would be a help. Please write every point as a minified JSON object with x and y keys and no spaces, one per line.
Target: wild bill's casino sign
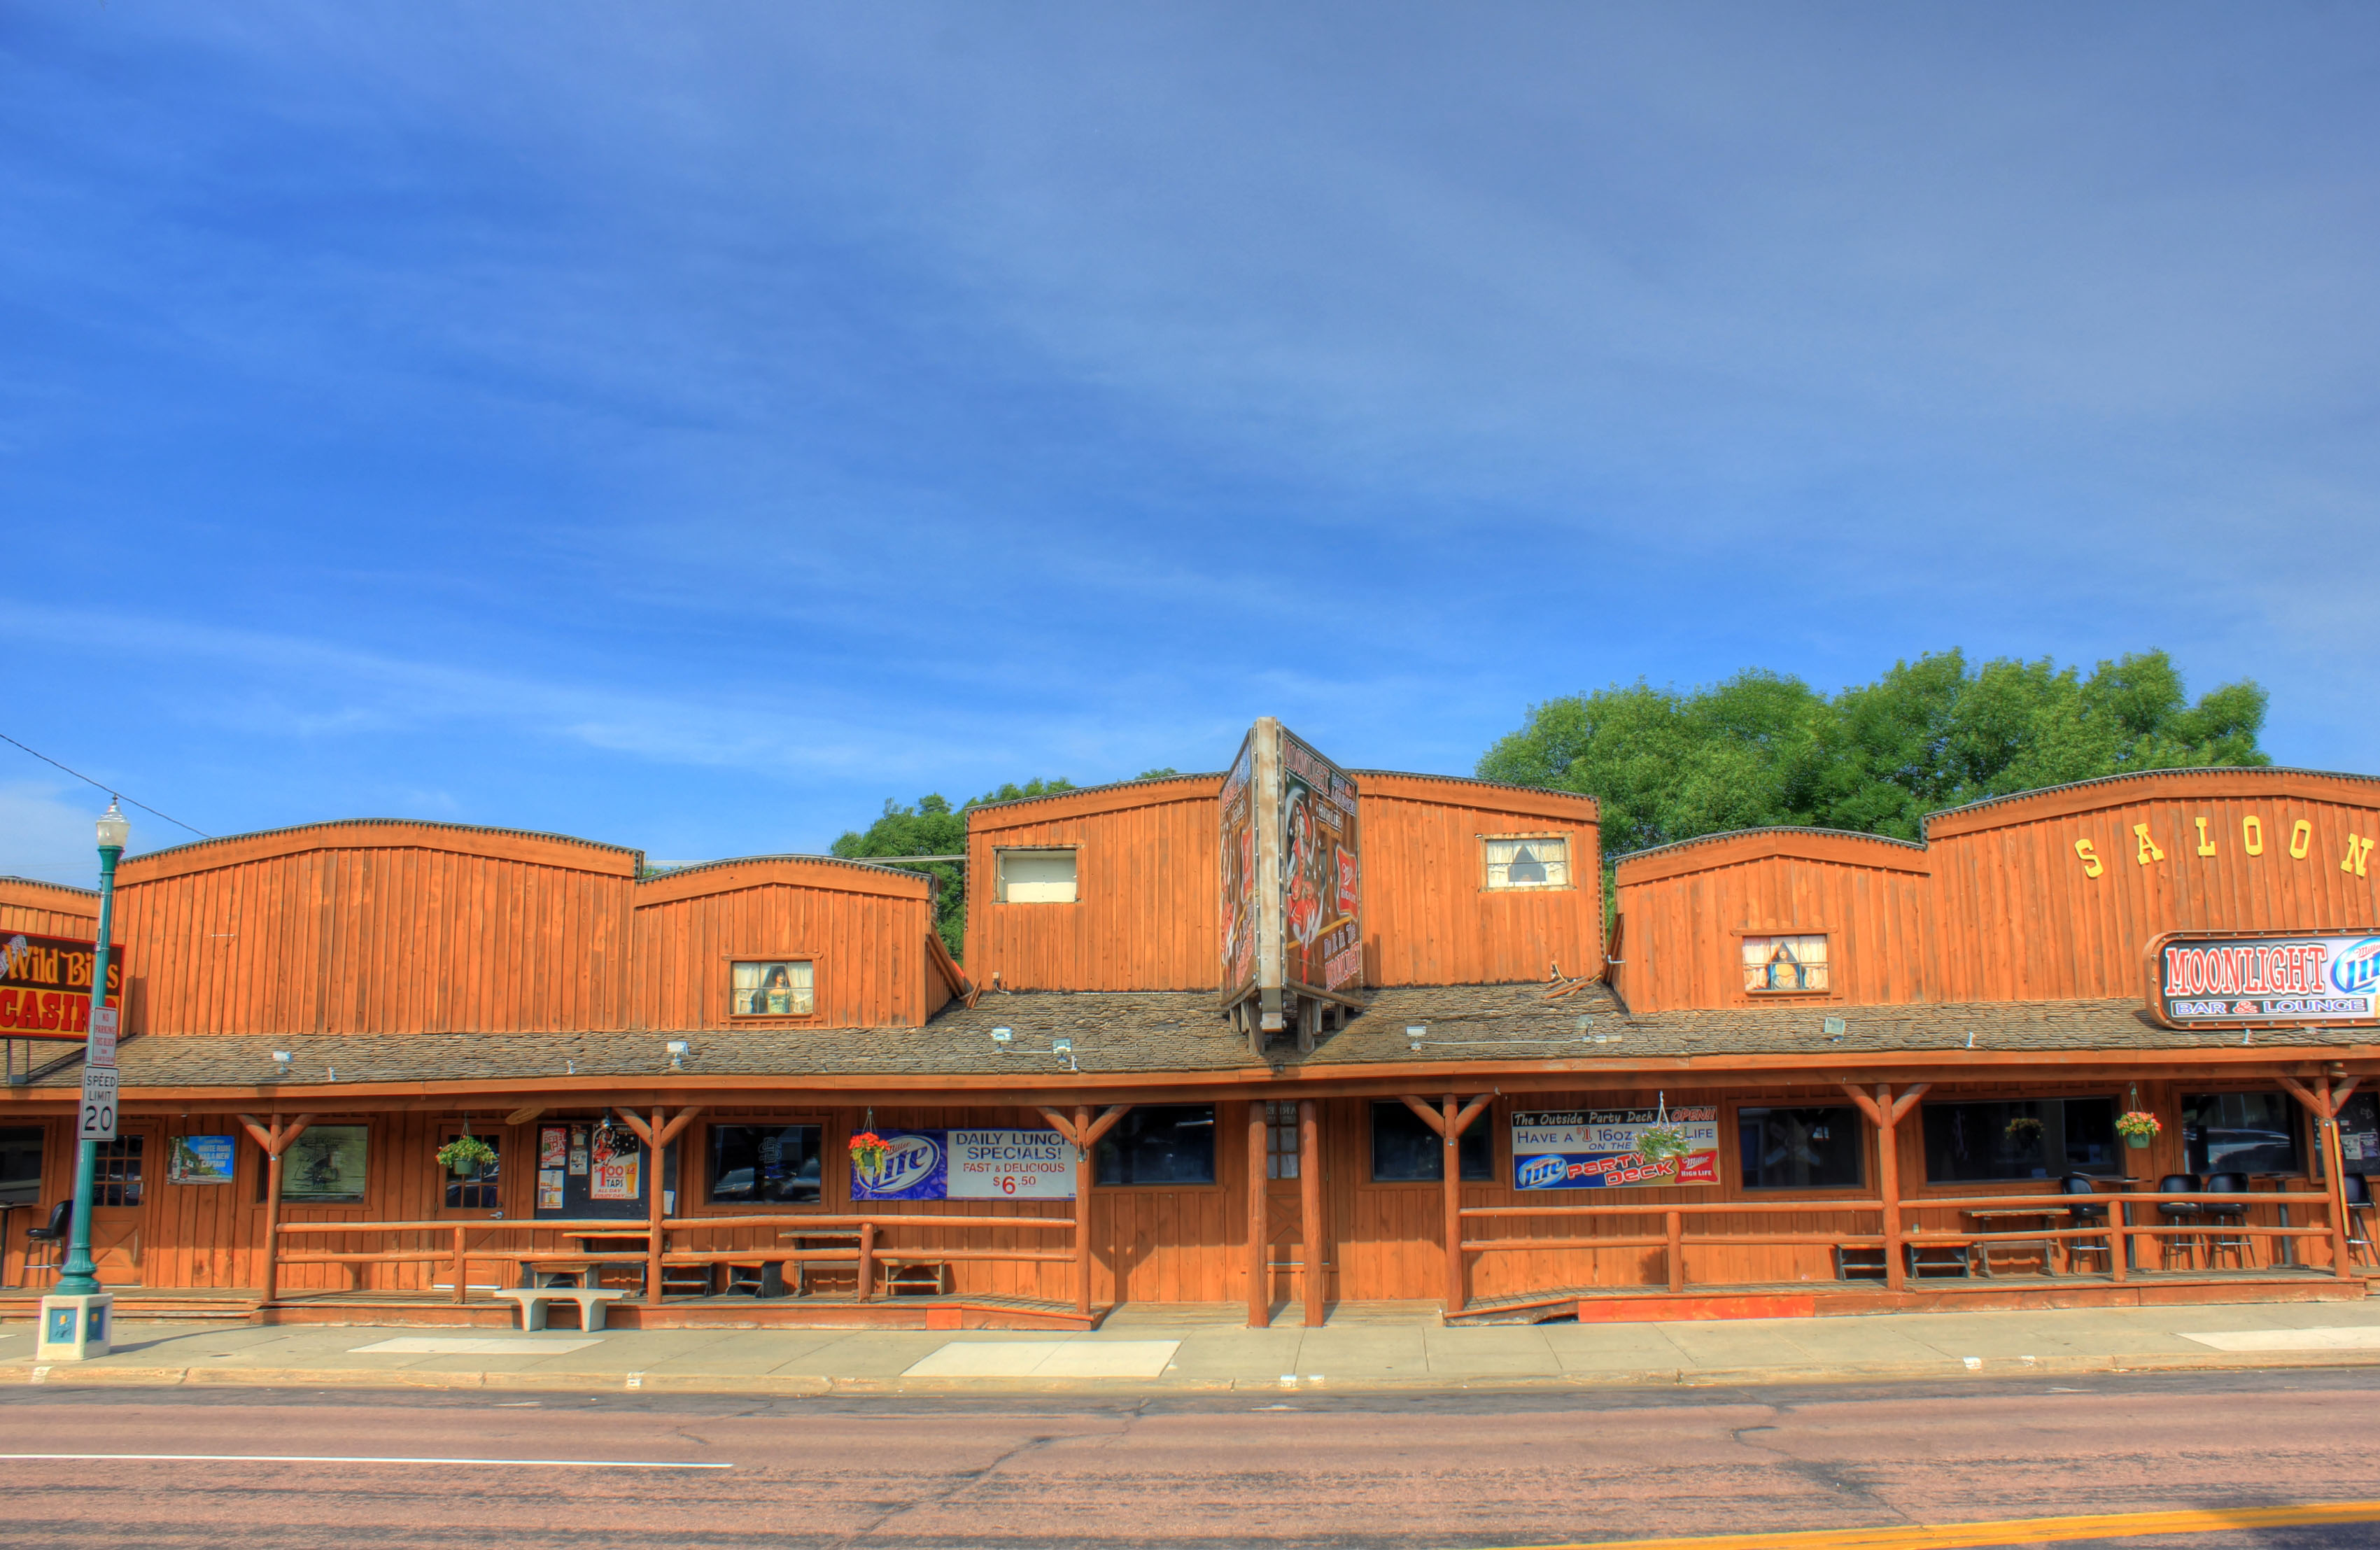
{"x":2211,"y":979}
{"x":45,"y":985}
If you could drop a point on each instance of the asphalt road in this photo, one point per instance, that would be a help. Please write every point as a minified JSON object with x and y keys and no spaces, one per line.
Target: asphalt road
{"x":1449,"y":1470}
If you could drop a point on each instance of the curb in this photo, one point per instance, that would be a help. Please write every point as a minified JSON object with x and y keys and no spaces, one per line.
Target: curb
{"x":763,"y":1385}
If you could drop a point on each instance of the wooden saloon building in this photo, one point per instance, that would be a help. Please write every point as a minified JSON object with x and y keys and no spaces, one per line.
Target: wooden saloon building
{"x":1284,"y":1037}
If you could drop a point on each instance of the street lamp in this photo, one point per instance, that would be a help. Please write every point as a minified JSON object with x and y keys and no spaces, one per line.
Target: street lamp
{"x":78,"y":1327}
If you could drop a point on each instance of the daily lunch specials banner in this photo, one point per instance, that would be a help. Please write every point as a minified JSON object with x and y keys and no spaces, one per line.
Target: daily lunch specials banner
{"x":1600,"y":1149}
{"x":967,"y":1165}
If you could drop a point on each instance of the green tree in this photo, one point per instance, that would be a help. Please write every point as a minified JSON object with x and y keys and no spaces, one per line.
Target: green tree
{"x":932,"y":826}
{"x":1761,"y":748}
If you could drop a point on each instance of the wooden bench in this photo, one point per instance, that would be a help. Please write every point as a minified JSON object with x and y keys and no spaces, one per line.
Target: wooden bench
{"x":533,"y":1302}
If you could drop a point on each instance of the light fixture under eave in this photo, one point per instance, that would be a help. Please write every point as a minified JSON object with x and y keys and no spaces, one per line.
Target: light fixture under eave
{"x":1003,"y":1036}
{"x":1414,"y":1034}
{"x":281,"y":1058}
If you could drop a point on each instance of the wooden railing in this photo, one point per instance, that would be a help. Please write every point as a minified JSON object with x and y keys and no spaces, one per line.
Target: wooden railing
{"x":1890,"y":1234}
{"x":457,"y":1250}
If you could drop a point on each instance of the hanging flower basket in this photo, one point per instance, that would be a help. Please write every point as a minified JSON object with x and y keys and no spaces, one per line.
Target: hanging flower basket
{"x":1660,"y":1144}
{"x":2138,"y":1126}
{"x":2024,"y":1131}
{"x":465,"y":1155}
{"x":869,"y":1152}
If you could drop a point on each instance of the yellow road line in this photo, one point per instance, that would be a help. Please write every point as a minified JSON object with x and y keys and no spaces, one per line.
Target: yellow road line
{"x":2011,"y":1530}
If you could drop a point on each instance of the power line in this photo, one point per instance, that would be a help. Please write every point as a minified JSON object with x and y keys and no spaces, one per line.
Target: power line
{"x":112,"y":792}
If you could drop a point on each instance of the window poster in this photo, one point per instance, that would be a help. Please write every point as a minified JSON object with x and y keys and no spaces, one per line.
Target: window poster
{"x":614,"y":1156}
{"x":549,"y":1188}
{"x":2359,"y":1133}
{"x":325,"y":1164}
{"x":967,"y":1165}
{"x":552,"y":1147}
{"x":199,"y":1159}
{"x":578,"y":1150}
{"x":1608,"y":1148}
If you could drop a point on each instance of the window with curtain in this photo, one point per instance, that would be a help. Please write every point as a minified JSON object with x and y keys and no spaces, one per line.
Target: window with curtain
{"x":1786,"y":965}
{"x":1527,"y":861}
{"x":778,"y":987}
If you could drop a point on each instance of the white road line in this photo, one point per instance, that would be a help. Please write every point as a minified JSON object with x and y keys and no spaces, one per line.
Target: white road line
{"x":313,"y":1459}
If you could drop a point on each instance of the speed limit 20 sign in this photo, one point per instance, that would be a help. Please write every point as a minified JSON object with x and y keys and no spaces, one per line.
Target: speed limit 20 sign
{"x":98,"y":1104}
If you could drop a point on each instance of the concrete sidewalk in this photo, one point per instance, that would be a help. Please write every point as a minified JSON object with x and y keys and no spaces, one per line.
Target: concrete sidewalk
{"x":1188,"y":1357}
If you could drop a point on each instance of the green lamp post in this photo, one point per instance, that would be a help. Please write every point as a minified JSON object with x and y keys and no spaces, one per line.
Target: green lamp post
{"x":76,"y":1279}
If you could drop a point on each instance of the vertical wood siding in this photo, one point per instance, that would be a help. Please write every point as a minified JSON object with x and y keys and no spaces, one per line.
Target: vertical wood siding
{"x":863,"y":927}
{"x":1430,"y":917}
{"x":1146,"y":889}
{"x":1999,"y":905}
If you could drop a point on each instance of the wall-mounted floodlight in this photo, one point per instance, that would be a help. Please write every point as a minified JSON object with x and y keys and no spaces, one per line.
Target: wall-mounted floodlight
{"x":1062,"y":1047}
{"x":1414,"y":1034}
{"x":282,"y":1058}
{"x":1003,"y":1036}
{"x":678,"y":1050}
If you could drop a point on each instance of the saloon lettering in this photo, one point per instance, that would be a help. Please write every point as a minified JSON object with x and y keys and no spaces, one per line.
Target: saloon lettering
{"x":2201,"y":837}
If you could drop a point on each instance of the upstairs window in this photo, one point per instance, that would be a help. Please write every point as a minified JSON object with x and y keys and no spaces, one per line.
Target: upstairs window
{"x":1036,"y":878}
{"x":1523,"y":860}
{"x":772,"y":987}
{"x":1784,"y":965}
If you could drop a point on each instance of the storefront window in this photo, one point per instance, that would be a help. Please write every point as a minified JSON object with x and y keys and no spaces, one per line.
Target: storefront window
{"x":1799,"y":1148}
{"x":1405,"y":1151}
{"x":323,"y":1167}
{"x":20,"y":1165}
{"x":765,"y":1164}
{"x":2240,"y":1133}
{"x":478,"y":1189}
{"x":1164,"y":1144}
{"x":116,"y":1181}
{"x":2359,"y":1134}
{"x":2042,"y":1138}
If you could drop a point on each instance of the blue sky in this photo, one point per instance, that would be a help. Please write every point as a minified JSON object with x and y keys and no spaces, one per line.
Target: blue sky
{"x":690,"y":426}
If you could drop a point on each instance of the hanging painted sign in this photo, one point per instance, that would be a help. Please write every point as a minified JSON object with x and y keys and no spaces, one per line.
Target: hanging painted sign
{"x":2242,"y":981}
{"x":1605,"y":1148}
{"x":45,"y":985}
{"x":199,"y":1159}
{"x":1291,"y":860}
{"x":966,"y":1165}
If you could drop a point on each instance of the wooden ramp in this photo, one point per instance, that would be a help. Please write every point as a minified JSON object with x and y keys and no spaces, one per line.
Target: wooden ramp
{"x":2141,"y":1289}
{"x":174,"y":1303}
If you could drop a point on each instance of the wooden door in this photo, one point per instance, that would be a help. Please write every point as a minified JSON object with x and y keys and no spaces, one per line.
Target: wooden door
{"x":1284,"y":1228}
{"x":119,"y":1191}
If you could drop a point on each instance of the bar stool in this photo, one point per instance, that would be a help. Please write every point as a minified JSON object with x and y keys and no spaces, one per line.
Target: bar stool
{"x":54,"y":1235}
{"x":2227,"y":1213}
{"x":2357,"y":1187}
{"x":2086,"y":1215}
{"x":2179,"y":1213}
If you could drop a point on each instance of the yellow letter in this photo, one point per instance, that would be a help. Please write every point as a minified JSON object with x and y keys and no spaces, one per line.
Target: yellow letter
{"x":2146,"y":851}
{"x":2091,"y":868}
{"x":2252,"y":834}
{"x":2358,"y":848}
{"x":2205,"y":845}
{"x":2301,"y":839}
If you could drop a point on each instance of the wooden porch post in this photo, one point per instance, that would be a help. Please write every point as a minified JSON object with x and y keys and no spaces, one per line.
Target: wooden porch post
{"x":2325,"y":1102}
{"x":1259,"y":1256}
{"x":274,"y":1138}
{"x":1449,"y":1141}
{"x":657,"y":1137}
{"x":1314,"y":1285}
{"x":1082,"y":1210}
{"x":1884,"y":1112}
{"x":1888,"y":1188}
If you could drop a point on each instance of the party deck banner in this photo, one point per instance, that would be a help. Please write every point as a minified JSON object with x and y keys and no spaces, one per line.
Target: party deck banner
{"x":1603,"y":1149}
